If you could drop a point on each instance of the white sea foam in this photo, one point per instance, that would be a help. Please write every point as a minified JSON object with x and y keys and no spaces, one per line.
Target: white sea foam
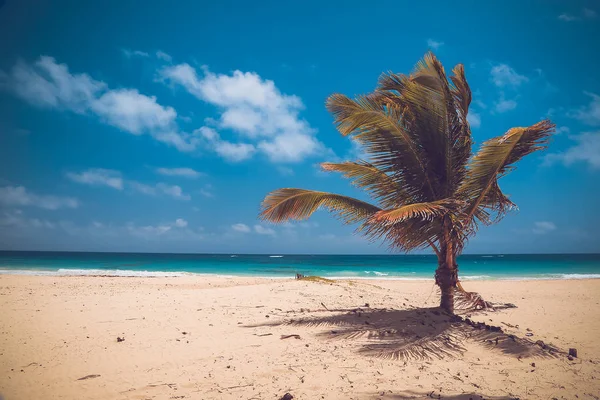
{"x":475,"y":277}
{"x":93,"y":272}
{"x":343,"y":275}
{"x":376,"y":273}
{"x":387,"y":278}
{"x":553,"y":277}
{"x":275,"y":256}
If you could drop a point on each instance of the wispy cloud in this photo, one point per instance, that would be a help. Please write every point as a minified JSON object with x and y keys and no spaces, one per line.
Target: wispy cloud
{"x":254,"y":108}
{"x":589,"y":114}
{"x":174,"y":191}
{"x":152,"y":231}
{"x":567,"y":17}
{"x":503,"y":75}
{"x":20,"y":196}
{"x":232,"y":152}
{"x":207,"y":191}
{"x":48,"y":84}
{"x":504,"y":105}
{"x":161,"y":55}
{"x":543,"y":227}
{"x":586,"y":13}
{"x":261,"y":230}
{"x":434,"y":44}
{"x":98,"y":177}
{"x":15,"y":218}
{"x":183,"y":172}
{"x":474,"y":119}
{"x":240,"y":228}
{"x":134,"y":53}
{"x":181,"y":223}
{"x":585,"y":150}
{"x":114,"y":179}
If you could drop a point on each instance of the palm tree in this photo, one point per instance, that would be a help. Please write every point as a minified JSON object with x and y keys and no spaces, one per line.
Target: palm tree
{"x":430,"y":191}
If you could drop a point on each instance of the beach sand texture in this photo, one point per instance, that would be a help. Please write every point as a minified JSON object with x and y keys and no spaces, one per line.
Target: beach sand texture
{"x":221,"y":338}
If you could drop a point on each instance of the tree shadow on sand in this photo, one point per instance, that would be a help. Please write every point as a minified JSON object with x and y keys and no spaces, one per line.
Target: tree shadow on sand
{"x":416,"y":334}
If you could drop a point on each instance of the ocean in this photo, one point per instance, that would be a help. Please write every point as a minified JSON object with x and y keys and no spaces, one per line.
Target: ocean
{"x":471,"y":267}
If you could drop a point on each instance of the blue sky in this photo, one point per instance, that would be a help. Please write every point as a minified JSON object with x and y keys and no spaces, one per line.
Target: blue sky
{"x":161,"y":127}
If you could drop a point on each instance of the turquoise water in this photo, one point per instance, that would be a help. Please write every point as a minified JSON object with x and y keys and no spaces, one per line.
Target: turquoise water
{"x":509,"y":266}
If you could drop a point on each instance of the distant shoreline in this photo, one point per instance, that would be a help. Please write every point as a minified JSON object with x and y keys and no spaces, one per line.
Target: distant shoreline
{"x":183,"y":274}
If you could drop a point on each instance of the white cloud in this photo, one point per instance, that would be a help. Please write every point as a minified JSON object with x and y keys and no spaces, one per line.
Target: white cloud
{"x":181,"y":223}
{"x":148,"y":230}
{"x":15,"y":219}
{"x":589,"y":114}
{"x":252,"y":107}
{"x":434,"y":44}
{"x":233,"y":152}
{"x":503,"y":76}
{"x":45,"y":83}
{"x":98,"y":176}
{"x":184,"y":172}
{"x":161,"y":55}
{"x":261,"y":230}
{"x":240,"y":228}
{"x":543,"y":227}
{"x":563,"y":129}
{"x":151,"y":231}
{"x":133,"y":112}
{"x":474,"y":119}
{"x":586,"y":150}
{"x":291,"y":147}
{"x":567,"y":17}
{"x":133,"y":53}
{"x":51,"y":85}
{"x":174,"y":191}
{"x":504,"y":105}
{"x":20,"y":196}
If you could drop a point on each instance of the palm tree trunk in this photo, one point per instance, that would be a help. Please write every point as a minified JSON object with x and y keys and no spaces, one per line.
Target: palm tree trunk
{"x":446,"y":278}
{"x":446,"y":275}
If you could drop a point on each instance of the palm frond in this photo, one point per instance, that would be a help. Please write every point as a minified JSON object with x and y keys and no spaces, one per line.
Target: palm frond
{"x":496,"y":158}
{"x":367,"y":176}
{"x":297,"y":204}
{"x":410,"y":234}
{"x":425,"y":211}
{"x":379,"y":127}
{"x":461,"y":90}
{"x":433,"y":104}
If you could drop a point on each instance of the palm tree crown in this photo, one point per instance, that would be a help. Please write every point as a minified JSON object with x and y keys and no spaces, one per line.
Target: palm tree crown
{"x":428,"y":188}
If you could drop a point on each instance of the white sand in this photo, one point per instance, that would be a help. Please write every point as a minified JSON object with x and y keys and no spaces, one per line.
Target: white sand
{"x":55,"y":330}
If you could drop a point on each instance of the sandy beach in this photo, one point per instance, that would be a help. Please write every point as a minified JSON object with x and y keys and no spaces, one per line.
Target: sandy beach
{"x":227,"y":338}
